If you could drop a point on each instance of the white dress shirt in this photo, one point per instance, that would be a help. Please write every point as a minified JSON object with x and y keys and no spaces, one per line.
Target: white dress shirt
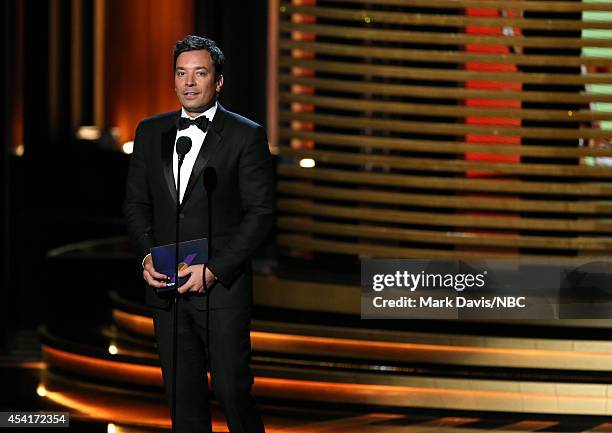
{"x":197,"y":138}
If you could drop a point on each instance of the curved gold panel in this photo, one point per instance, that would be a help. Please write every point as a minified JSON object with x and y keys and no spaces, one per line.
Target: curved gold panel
{"x":428,"y":236}
{"x":455,"y":184}
{"x":454,"y":129}
{"x":450,"y":75}
{"x":434,"y":92}
{"x":135,"y":323}
{"x":421,"y":347}
{"x":446,"y":219}
{"x":451,"y":110}
{"x":423,"y":164}
{"x":306,"y":189}
{"x":431,"y":146}
{"x":444,"y":56}
{"x":102,"y":368}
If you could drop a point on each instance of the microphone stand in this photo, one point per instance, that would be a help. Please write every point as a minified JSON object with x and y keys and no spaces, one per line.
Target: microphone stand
{"x":182,"y":146}
{"x":175,"y":305}
{"x":210,"y":182}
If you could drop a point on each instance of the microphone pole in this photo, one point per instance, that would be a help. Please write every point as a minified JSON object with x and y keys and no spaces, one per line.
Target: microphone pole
{"x":210,"y":183}
{"x":183,"y":146}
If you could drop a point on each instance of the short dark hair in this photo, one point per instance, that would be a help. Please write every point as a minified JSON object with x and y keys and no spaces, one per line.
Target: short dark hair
{"x":195,"y":43}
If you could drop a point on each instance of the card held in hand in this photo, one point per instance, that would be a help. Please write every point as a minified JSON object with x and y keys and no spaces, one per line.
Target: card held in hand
{"x":194,"y":252}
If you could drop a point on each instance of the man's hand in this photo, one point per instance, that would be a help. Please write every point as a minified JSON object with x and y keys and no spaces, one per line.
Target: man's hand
{"x":150,"y":275}
{"x":195,"y":282}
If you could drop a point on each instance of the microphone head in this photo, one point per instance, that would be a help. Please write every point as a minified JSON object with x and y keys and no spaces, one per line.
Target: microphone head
{"x":183,"y":145}
{"x":210,"y":179}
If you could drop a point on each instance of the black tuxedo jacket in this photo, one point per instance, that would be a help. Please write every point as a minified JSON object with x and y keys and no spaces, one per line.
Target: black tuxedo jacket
{"x":242,"y":203}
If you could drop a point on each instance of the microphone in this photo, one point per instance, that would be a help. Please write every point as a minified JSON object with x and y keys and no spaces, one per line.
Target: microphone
{"x":183,"y":146}
{"x":210,"y":179}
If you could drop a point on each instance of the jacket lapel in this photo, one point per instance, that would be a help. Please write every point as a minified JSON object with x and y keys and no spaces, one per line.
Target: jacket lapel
{"x":167,"y":151}
{"x":211,"y":142}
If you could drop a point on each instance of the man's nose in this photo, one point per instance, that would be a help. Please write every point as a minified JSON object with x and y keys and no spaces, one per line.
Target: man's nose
{"x":190,"y":80}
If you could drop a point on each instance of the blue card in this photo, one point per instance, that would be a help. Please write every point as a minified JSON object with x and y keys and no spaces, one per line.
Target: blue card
{"x":194,"y":252}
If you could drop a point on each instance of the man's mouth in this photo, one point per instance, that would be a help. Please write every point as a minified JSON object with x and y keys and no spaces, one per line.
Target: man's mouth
{"x":190,"y":93}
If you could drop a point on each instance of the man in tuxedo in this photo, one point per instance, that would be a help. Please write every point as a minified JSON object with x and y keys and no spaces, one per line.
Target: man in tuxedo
{"x":242,"y":216}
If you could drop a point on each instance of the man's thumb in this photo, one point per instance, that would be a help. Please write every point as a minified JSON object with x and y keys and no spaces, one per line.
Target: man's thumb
{"x":185,"y":271}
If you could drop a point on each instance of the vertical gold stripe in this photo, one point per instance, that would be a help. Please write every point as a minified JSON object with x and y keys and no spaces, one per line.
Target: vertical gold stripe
{"x":99,"y":47}
{"x":76,"y":79}
{"x":53,"y":65}
{"x":272,"y":82}
{"x":17,"y":94}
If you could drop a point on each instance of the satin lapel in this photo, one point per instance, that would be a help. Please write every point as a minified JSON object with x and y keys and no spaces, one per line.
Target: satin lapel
{"x":208,"y":149}
{"x":167,"y":152}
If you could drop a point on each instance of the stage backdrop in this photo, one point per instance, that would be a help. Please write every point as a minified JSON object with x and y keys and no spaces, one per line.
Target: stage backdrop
{"x":443,"y":129}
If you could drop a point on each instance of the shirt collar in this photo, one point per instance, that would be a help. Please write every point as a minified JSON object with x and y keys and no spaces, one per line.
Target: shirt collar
{"x":210,"y":113}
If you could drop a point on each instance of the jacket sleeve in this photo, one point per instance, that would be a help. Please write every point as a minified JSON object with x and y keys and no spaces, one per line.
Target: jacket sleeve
{"x":256,"y":183}
{"x":137,"y":206}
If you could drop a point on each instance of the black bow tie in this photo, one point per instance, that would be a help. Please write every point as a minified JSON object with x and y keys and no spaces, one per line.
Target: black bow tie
{"x":185,"y":122}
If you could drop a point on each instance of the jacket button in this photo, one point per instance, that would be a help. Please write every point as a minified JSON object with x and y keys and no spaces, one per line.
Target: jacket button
{"x":182,"y":216}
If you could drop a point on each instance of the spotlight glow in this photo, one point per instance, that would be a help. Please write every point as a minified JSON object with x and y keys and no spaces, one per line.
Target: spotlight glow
{"x":128,"y":147}
{"x":19,"y":150}
{"x":112,"y":349}
{"x":88,"y":133}
{"x":307,"y":163}
{"x":41,"y":391}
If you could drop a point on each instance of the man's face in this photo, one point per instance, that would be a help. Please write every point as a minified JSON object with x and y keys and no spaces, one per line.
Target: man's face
{"x":194,"y":81}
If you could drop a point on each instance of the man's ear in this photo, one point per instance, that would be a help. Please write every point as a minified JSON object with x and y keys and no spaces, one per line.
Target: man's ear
{"x":219,"y":84}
